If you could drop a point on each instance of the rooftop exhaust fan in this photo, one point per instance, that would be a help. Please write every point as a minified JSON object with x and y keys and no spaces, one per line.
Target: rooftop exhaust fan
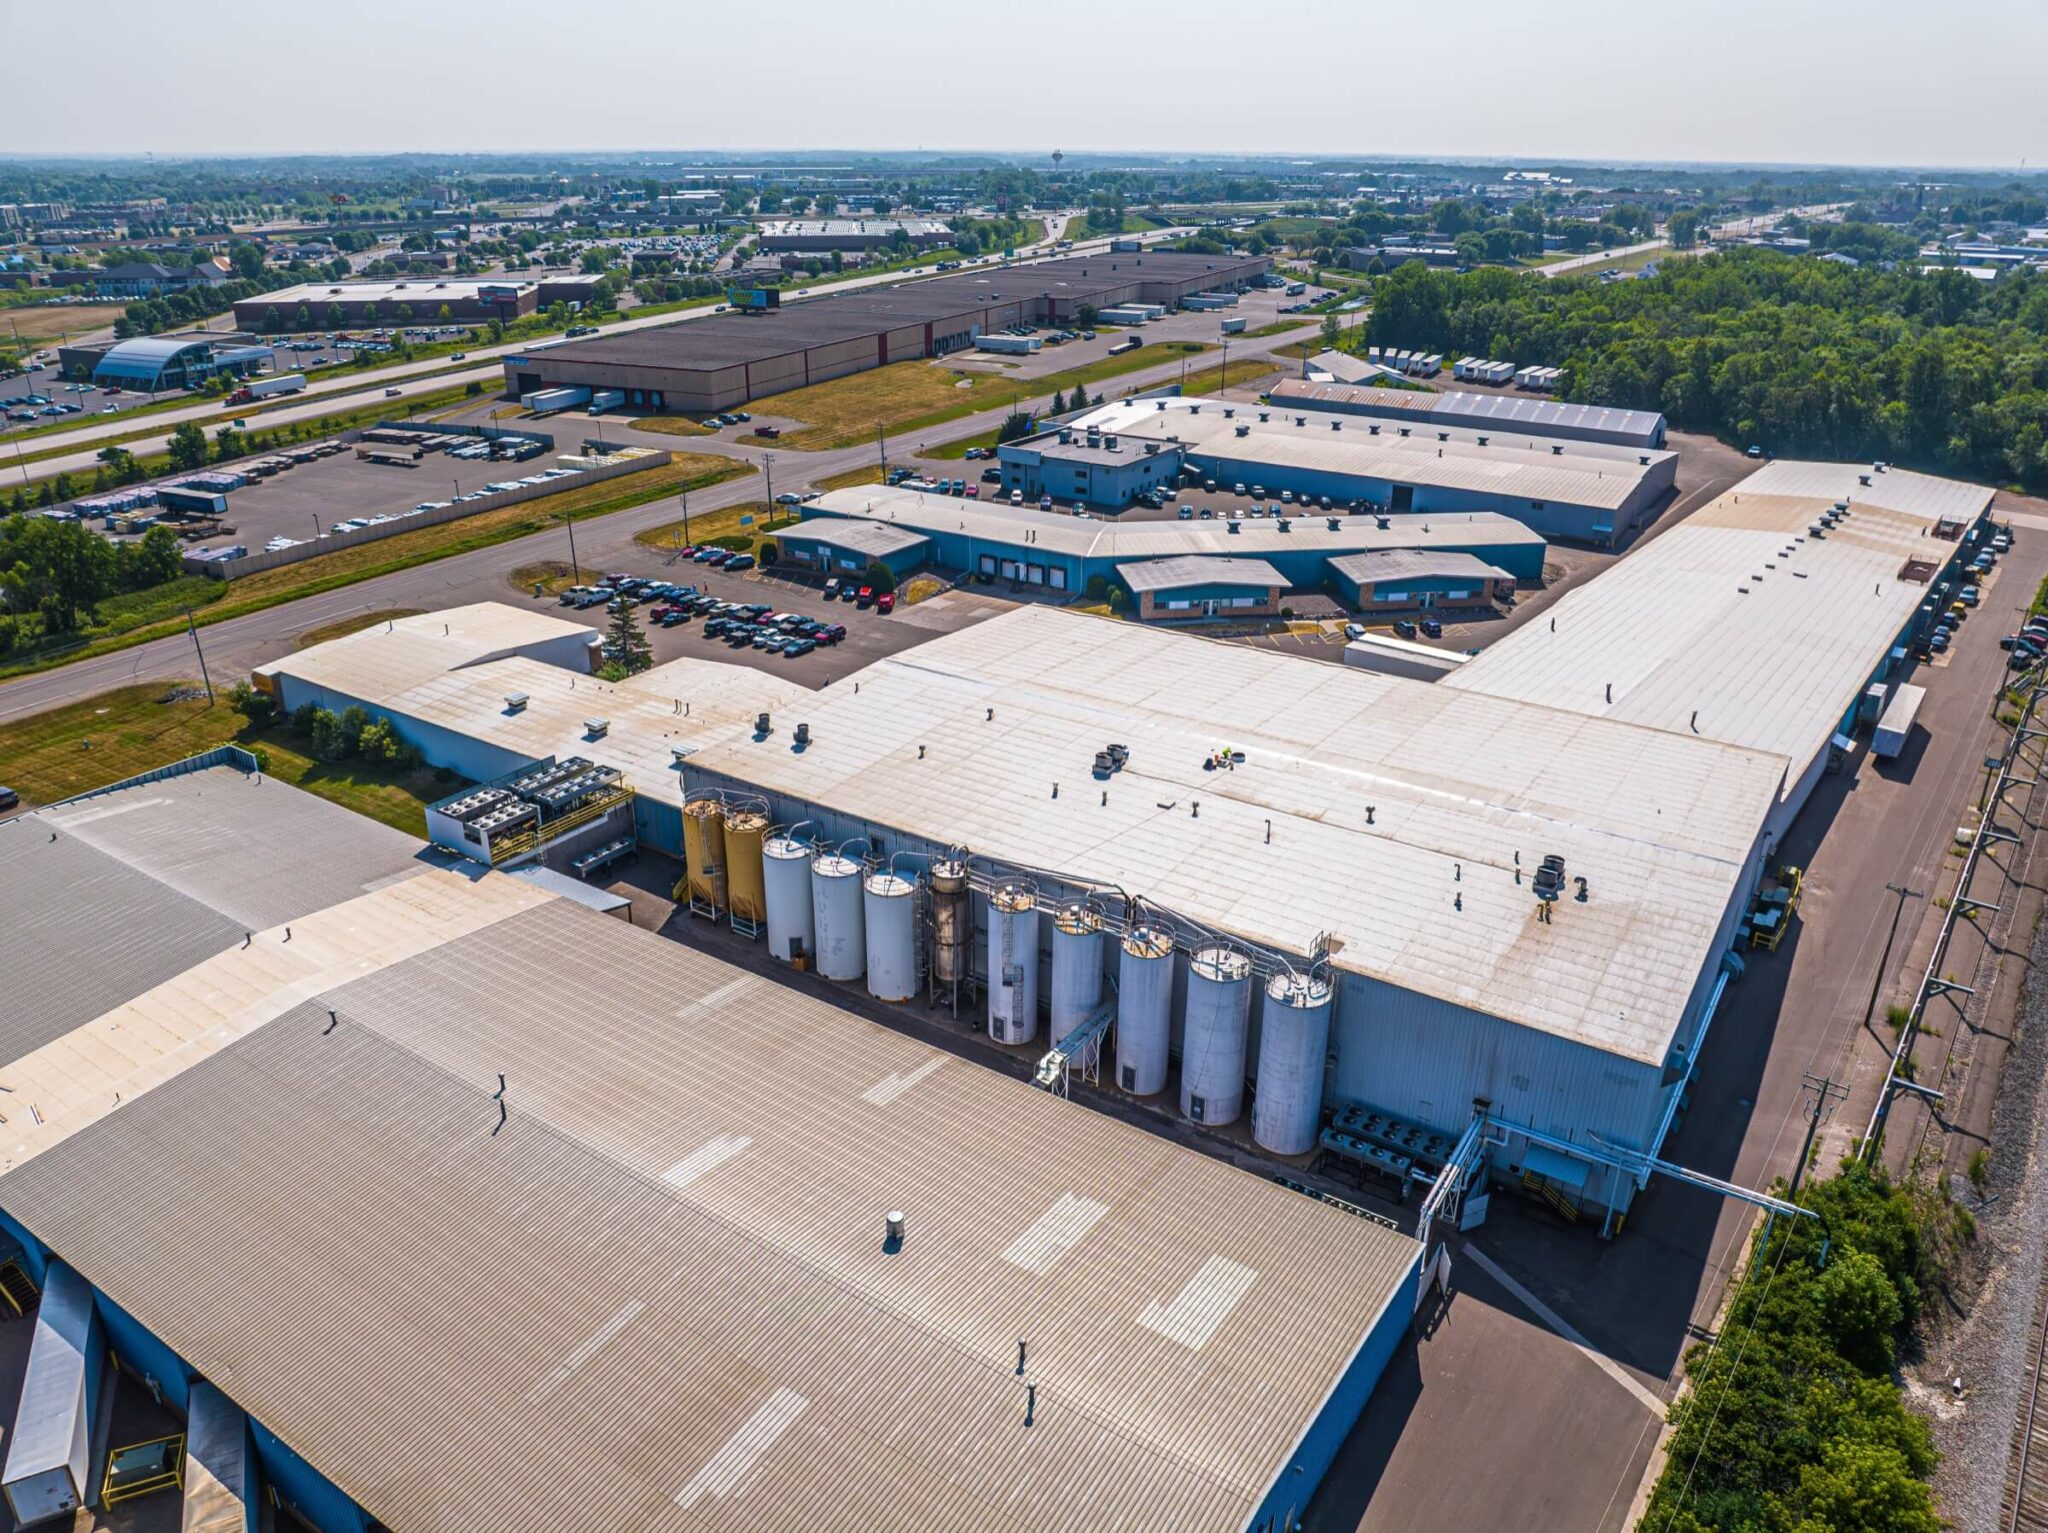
{"x":597,"y":729}
{"x":514,"y":701}
{"x":803,"y":734}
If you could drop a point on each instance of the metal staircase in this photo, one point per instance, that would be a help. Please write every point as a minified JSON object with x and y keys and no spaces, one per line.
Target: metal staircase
{"x":1543,"y":1188}
{"x":17,"y":1290}
{"x":1083,"y":1046}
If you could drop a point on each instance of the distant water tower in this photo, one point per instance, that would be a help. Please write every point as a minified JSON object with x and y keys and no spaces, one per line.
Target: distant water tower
{"x":1057,"y":156}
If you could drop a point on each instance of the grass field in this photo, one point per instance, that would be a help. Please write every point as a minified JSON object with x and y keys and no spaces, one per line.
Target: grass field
{"x":328,"y":572}
{"x":48,"y":324}
{"x":1634,"y":261}
{"x":342,"y":628}
{"x":914,"y":396}
{"x":1210,"y":379}
{"x":671,"y":425}
{"x":721,"y":526}
{"x":118,"y":734}
{"x":872,"y":474}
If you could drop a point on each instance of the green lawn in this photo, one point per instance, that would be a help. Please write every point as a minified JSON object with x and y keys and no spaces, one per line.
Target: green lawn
{"x":721,"y":527}
{"x":86,"y":745}
{"x":915,"y":396}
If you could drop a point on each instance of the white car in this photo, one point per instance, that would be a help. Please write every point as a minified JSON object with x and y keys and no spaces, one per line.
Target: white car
{"x":1354,"y":630}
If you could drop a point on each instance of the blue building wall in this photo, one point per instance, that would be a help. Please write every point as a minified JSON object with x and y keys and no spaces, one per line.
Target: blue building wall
{"x":302,"y":1487}
{"x":1296,"y":1485}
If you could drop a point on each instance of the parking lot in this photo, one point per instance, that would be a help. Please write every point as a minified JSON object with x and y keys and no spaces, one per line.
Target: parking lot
{"x":36,"y":399}
{"x":870,"y":634}
{"x":310,"y":500}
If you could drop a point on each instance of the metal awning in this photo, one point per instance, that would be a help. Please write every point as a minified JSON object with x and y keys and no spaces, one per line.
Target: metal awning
{"x":1556,"y":1166}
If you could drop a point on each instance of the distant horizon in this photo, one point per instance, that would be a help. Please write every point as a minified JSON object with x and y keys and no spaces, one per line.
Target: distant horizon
{"x":1753,"y":84}
{"x":1021,"y":157}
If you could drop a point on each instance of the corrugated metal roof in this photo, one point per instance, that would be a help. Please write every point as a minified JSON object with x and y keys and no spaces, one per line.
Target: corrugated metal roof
{"x":868,"y":538}
{"x":1735,"y":623}
{"x":383,"y":661}
{"x":1459,"y":407}
{"x":657,"y":1299}
{"x":1415,"y":564}
{"x":1025,"y":526}
{"x":1171,"y":574}
{"x":1547,"y":469}
{"x":1391,"y":814}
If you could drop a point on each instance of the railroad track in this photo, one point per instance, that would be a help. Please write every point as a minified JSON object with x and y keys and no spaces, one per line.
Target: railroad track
{"x":2026,"y":1478}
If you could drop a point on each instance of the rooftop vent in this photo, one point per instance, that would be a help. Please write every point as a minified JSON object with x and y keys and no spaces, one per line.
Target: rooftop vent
{"x":1244,"y":431}
{"x":1556,"y":449}
{"x":1159,"y":404}
{"x":1404,"y":431}
{"x":1235,"y":527}
{"x":763,"y":725}
{"x":1482,"y":441}
{"x":1194,"y":409}
{"x":1443,"y":436}
{"x":1265,"y":415}
{"x":597,"y":729}
{"x":1229,"y":412}
{"x":803,"y":735}
{"x":1382,"y":523}
{"x":1152,"y":447}
{"x":514,"y":701}
{"x":1336,"y":525}
{"x":1336,"y":425}
{"x":1286,"y":525}
{"x":1110,"y":442}
{"x":1863,"y":479}
{"x":1374,"y":428}
{"x":1642,"y":458}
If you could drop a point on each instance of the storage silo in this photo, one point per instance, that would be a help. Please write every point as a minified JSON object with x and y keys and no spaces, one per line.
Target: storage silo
{"x":1076,"y":969}
{"x":836,"y":913}
{"x":952,"y":928}
{"x":1144,"y":1010}
{"x":745,"y":829}
{"x":786,"y":895}
{"x":1013,"y":964}
{"x":1212,"y":1035}
{"x":890,"y":913}
{"x":1294,"y":1042}
{"x":704,"y":856}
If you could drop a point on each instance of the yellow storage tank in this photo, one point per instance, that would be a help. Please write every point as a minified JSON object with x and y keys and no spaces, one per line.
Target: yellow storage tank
{"x":704,"y":856}
{"x":745,"y":829}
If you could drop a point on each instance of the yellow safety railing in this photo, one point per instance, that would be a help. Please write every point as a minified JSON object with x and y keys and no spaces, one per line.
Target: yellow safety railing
{"x":522,"y":842}
{"x":144,"y":1467}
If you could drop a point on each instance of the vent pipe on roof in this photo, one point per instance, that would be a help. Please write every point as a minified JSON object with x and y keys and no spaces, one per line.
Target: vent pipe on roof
{"x":892,"y":1239}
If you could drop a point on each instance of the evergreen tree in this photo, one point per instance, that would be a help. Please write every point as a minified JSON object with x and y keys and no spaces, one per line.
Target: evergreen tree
{"x":626,"y":649}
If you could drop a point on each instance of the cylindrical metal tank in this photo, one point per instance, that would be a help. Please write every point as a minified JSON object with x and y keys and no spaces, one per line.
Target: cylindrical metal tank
{"x":744,"y":831}
{"x":1013,"y":964}
{"x":1294,"y":1041}
{"x":786,"y":893}
{"x":704,"y":852}
{"x":892,"y":939}
{"x":836,"y":913}
{"x":1144,"y":1010}
{"x":1076,"y":969}
{"x":1212,"y":1035}
{"x":952,"y":922}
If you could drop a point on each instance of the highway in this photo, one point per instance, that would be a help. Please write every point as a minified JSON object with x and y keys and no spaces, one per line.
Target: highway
{"x":233,"y":647}
{"x":334,"y":394}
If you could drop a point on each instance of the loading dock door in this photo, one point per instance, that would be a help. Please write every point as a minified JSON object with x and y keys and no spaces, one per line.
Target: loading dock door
{"x":1403,"y":498}
{"x":1010,"y":571}
{"x":1056,"y":577}
{"x":988,"y":564}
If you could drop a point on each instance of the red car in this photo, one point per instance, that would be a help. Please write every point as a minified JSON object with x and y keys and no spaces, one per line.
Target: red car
{"x":886,"y":602}
{"x":865,"y":597}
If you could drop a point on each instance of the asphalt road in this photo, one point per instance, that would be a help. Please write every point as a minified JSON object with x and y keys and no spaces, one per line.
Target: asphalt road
{"x":1596,"y":258}
{"x":234,"y":646}
{"x":328,"y":395}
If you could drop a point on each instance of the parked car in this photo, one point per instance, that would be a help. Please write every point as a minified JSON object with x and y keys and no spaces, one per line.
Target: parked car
{"x":1405,"y":628}
{"x":865,"y":597}
{"x":1432,"y":629}
{"x":1354,"y":630}
{"x":738,"y":562}
{"x":9,"y":799}
{"x":832,"y":589}
{"x":886,"y":602}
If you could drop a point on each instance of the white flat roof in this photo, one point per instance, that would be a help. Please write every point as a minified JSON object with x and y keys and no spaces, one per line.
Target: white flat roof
{"x":386,"y":659}
{"x":1593,"y":474}
{"x":1735,"y":623}
{"x":425,"y":293}
{"x":1388,"y":813}
{"x":1099,"y":538}
{"x":1194,"y":570}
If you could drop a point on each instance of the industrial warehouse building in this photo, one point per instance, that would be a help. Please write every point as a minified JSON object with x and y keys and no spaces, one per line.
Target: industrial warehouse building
{"x":1366,"y":837}
{"x":1477,"y":412}
{"x":1759,"y":620}
{"x":1203,"y":587}
{"x":322,"y":1150}
{"x":1065,"y":553}
{"x":1400,"y":579}
{"x":1586,"y":491}
{"x":822,"y":234}
{"x":724,"y":360}
{"x":467,"y":300}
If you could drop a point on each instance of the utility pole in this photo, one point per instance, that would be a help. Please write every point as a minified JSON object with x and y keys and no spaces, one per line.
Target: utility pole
{"x":193,"y":629}
{"x":882,"y":448}
{"x":768,"y":477}
{"x":575,"y":569}
{"x":1825,"y":1094}
{"x":1877,"y":983}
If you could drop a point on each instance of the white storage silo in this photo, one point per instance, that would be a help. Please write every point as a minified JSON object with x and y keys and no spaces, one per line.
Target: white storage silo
{"x":1294,"y":1042}
{"x":890,"y":910}
{"x":1212,"y":1035}
{"x":1076,"y":969}
{"x":786,"y":873}
{"x":836,"y":913}
{"x":1013,"y":964}
{"x":1144,"y":1010}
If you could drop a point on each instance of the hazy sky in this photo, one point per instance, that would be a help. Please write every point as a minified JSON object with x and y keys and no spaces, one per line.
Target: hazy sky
{"x":1839,"y":81}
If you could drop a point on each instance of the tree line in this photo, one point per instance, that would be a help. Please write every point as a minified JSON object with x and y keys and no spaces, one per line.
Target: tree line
{"x":56,"y":572}
{"x":1802,"y":356}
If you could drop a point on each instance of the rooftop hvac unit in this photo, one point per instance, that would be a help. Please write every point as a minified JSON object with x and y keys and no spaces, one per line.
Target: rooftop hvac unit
{"x":1153,"y":447}
{"x":1229,"y":413}
{"x":1244,"y":431}
{"x":515,"y":701}
{"x":1110,"y":443}
{"x":597,"y":728}
{"x":1863,"y":479}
